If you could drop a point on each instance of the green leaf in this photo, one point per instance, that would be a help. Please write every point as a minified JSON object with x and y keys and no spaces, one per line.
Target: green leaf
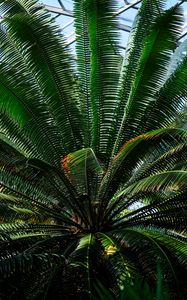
{"x":104,"y":71}
{"x":27,"y":24}
{"x":151,"y":72}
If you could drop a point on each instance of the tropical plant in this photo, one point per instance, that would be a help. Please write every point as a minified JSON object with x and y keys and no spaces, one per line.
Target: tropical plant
{"x":93,"y":182}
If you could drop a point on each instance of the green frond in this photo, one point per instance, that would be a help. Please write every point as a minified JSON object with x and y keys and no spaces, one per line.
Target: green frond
{"x":163,"y":212}
{"x":24,"y":263}
{"x":122,"y":267}
{"x":81,"y":261}
{"x":84,"y":172}
{"x":151,"y":72}
{"x":79,"y":167}
{"x":15,"y":209}
{"x":104,"y":68}
{"x":14,"y":161}
{"x":159,"y":186}
{"x":145,"y":18}
{"x":147,"y":247}
{"x":12,"y":133}
{"x":83,"y":53}
{"x":169,"y":181}
{"x":172,"y":96}
{"x":44,"y":49}
{"x":168,"y":161}
{"x":138,"y":154}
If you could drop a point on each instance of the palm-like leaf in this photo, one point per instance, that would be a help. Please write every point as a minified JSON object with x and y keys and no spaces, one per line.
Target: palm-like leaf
{"x":92,"y":180}
{"x":98,"y":65}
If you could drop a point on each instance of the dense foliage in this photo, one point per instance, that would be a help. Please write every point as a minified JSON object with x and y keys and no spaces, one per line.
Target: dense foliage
{"x":93,"y":178}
